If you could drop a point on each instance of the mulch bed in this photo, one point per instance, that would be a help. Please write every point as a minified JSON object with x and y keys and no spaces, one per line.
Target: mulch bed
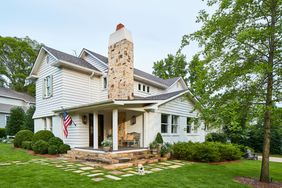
{"x":43,"y":155}
{"x":224,"y":162}
{"x":256,"y":183}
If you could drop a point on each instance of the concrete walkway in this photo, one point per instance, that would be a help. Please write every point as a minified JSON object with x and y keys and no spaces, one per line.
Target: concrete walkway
{"x":272,"y":159}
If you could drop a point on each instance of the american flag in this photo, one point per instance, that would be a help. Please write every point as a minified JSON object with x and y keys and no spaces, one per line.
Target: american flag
{"x":67,"y":122}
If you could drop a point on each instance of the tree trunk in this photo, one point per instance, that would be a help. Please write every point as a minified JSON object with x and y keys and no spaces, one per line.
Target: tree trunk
{"x":264,"y":176}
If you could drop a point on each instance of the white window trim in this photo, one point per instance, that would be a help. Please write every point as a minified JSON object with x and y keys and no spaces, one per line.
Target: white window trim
{"x":168,"y":124}
{"x":103,"y":83}
{"x":47,"y":95}
{"x":146,"y":88}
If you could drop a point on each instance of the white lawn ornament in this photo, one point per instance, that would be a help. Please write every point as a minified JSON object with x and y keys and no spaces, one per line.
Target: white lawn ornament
{"x":141,"y":170}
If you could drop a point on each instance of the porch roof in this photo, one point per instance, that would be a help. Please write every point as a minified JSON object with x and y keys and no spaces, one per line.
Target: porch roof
{"x":108,"y":104}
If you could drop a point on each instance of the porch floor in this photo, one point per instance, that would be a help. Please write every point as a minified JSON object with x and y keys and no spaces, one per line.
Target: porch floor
{"x":120,"y":149}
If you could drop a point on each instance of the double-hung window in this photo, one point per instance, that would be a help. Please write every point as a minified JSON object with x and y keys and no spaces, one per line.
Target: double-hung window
{"x":188,"y":125}
{"x":174,"y":123}
{"x":47,"y":86}
{"x":164,"y":123}
{"x":105,"y":83}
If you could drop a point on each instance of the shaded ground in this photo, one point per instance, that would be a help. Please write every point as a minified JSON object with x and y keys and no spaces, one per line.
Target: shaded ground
{"x":257,"y":184}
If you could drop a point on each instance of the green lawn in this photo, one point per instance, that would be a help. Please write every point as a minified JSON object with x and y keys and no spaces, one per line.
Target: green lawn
{"x":195,"y":175}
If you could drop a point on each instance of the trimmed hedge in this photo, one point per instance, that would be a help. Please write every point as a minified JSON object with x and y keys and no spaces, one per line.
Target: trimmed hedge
{"x":3,"y":133}
{"x":26,"y":145}
{"x":64,"y":148}
{"x":23,"y":135}
{"x":53,"y":149}
{"x":56,"y":141}
{"x":206,"y":152}
{"x":42,"y":135}
{"x":40,"y":147}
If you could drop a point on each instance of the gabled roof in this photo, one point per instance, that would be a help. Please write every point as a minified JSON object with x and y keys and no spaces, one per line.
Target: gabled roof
{"x":138,"y":72}
{"x":70,"y":58}
{"x":164,"y":96}
{"x":9,"y":93}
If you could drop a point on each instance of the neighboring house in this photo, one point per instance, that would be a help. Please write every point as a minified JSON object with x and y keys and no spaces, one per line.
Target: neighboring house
{"x":109,"y":97}
{"x":9,"y":99}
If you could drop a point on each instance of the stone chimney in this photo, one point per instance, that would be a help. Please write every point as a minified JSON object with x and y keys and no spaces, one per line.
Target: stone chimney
{"x":121,"y":66}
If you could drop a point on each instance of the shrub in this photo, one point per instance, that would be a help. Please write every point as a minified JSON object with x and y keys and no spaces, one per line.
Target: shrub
{"x":159,"y":139}
{"x":26,"y":145}
{"x":206,"y":152}
{"x":40,"y":146}
{"x":23,"y":135}
{"x":216,"y":137}
{"x":28,"y":122}
{"x":42,"y":135}
{"x":56,"y":141}
{"x":53,"y":149}
{"x":16,"y":120}
{"x":2,"y":133}
{"x":64,"y":148}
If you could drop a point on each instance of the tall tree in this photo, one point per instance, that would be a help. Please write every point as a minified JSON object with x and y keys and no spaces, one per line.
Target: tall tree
{"x":16,"y":60}
{"x":171,"y":67}
{"x":241,"y":48}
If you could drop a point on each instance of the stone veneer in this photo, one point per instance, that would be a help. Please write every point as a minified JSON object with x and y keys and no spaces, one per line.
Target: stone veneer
{"x":120,"y":72}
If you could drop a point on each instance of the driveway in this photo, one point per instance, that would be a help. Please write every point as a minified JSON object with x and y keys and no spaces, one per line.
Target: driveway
{"x":273,"y":159}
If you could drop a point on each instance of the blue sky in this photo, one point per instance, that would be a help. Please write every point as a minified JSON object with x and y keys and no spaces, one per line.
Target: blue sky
{"x":70,"y":25}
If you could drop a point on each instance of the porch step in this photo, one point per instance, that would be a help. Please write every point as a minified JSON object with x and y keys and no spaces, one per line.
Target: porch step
{"x":102,"y":160}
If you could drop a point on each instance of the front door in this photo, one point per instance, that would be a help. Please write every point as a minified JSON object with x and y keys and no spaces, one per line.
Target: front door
{"x":90,"y":130}
{"x":100,"y":129}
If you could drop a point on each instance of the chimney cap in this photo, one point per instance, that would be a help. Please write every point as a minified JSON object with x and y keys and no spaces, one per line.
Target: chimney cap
{"x":119,"y":26}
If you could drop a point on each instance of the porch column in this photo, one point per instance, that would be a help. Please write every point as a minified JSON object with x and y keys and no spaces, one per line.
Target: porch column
{"x":145,"y":129}
{"x":115,"y":129}
{"x":48,"y":124}
{"x":95,"y":130}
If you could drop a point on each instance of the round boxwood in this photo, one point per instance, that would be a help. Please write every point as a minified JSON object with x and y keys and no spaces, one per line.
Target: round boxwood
{"x":42,"y":135}
{"x":23,"y":135}
{"x":64,"y":148}
{"x":53,"y":149}
{"x":40,"y":147}
{"x":26,"y":145}
{"x":56,"y":141}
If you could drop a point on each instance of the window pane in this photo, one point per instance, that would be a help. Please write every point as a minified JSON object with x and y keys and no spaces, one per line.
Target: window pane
{"x":148,"y":89}
{"x":139,"y":87}
{"x":174,"y":120}
{"x":188,"y":129}
{"x":105,"y":82}
{"x":164,"y":118}
{"x":164,"y":128}
{"x":144,"y":88}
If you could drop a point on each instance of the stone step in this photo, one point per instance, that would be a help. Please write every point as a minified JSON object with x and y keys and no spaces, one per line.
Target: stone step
{"x":124,"y":159}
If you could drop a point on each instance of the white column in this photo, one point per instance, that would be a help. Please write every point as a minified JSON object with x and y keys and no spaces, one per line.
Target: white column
{"x":145,"y":129}
{"x":48,"y":123}
{"x":95,"y":130}
{"x":115,"y":129}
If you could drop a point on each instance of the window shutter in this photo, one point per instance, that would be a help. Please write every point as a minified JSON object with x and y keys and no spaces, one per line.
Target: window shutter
{"x":51,"y":85}
{"x":43,"y":88}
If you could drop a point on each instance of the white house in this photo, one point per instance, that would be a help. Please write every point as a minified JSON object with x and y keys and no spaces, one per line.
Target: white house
{"x":107,"y":96}
{"x":9,"y":99}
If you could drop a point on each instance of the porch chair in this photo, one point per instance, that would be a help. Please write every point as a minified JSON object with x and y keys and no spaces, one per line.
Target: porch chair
{"x":132,"y":139}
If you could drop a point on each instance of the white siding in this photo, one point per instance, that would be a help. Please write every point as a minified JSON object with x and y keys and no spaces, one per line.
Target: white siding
{"x":175,"y":87}
{"x":79,"y":134}
{"x":95,"y":62}
{"x":181,"y":108}
{"x":46,"y":106}
{"x":38,"y":124}
{"x":57,"y":128}
{"x":79,"y":88}
{"x":153,"y":90}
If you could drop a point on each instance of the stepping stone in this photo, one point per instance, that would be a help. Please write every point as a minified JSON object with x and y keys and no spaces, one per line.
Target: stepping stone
{"x":165,"y":164}
{"x":127,"y":175}
{"x":94,"y":175}
{"x":148,"y":172}
{"x":78,"y":171}
{"x":95,"y":171}
{"x":86,"y":168}
{"x":156,"y":169}
{"x":5,"y":164}
{"x":112,"y":177}
{"x":59,"y":166}
{"x":70,"y":165}
{"x":126,"y":169}
{"x":79,"y":164}
{"x":116,"y":172}
{"x":174,"y":166}
{"x":97,"y":179}
{"x":132,"y":172}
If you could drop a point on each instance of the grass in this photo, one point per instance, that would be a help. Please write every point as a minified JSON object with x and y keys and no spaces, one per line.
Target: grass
{"x":195,"y":175}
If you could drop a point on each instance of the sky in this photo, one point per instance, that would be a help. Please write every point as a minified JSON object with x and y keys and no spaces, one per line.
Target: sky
{"x":157,"y":26}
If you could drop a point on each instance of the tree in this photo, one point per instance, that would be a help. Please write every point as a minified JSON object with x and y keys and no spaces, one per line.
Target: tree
{"x":171,"y":67}
{"x":16,"y":60}
{"x":241,"y":47}
{"x":16,"y":120}
{"x":28,"y":123}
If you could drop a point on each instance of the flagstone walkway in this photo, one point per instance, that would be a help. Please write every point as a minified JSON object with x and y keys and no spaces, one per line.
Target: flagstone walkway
{"x":99,"y":174}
